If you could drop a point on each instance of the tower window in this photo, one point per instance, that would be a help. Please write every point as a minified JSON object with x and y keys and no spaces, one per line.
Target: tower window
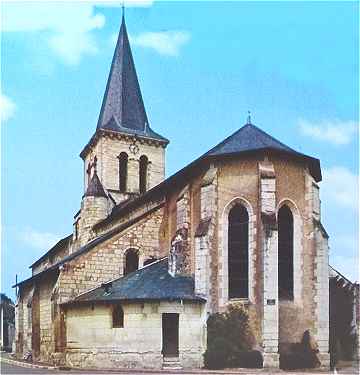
{"x":123,"y":171}
{"x":131,"y":261}
{"x":117,"y":316}
{"x":238,"y":252}
{"x":286,"y":253}
{"x":143,"y":170}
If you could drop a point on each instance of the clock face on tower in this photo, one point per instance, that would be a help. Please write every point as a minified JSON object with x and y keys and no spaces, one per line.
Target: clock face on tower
{"x":134,"y":148}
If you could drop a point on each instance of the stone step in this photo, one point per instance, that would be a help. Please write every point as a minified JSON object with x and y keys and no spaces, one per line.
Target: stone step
{"x":171,"y":363}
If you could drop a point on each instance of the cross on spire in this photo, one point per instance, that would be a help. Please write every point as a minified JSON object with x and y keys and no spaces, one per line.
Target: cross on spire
{"x":248,"y":122}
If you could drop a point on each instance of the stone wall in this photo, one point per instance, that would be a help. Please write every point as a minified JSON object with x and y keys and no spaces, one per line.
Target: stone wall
{"x":269,"y":233}
{"x":23,"y":321}
{"x":106,"y":261}
{"x":47,"y":343}
{"x":93,"y":209}
{"x":92,"y":342}
{"x":205,"y":256}
{"x":238,"y":181}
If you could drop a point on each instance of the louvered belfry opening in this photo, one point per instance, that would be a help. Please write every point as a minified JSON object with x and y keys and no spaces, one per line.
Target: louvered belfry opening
{"x":123,"y":172}
{"x":238,"y":252}
{"x":286,"y":253}
{"x":143,"y":170}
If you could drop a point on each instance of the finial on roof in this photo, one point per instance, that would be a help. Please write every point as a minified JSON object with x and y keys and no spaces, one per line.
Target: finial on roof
{"x":248,"y":122}
{"x":123,"y":10}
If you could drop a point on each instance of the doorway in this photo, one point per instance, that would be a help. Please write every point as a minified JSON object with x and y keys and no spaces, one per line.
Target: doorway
{"x":170,"y":335}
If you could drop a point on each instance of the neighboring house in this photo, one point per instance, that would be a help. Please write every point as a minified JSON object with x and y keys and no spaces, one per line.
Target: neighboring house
{"x":150,"y":258}
{"x":344,"y":317}
{"x":7,"y":325}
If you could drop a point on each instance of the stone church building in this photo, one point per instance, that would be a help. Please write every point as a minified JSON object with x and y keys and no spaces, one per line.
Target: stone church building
{"x":149,"y":258}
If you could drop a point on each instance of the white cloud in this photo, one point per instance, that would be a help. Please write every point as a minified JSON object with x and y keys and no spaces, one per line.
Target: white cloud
{"x":72,"y":46}
{"x":7,"y":107}
{"x":335,"y":132}
{"x":340,"y":186}
{"x":38,"y":240}
{"x":68,"y":26}
{"x":164,"y":42}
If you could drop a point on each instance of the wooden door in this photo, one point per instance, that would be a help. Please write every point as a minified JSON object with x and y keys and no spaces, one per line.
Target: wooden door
{"x":170,"y":335}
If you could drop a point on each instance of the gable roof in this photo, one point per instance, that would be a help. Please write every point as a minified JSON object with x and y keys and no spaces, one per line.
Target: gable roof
{"x":84,"y":249}
{"x":60,"y":244}
{"x":152,"y":282}
{"x":123,"y":108}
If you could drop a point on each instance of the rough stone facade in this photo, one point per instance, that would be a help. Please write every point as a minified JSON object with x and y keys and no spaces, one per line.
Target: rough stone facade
{"x":201,"y":207}
{"x":187,"y":219}
{"x":94,"y":343}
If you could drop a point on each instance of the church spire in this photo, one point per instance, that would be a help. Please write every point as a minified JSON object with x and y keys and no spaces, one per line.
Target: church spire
{"x":122,"y":107}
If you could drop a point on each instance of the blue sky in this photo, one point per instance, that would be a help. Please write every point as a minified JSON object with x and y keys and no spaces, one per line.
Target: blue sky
{"x":201,"y":66}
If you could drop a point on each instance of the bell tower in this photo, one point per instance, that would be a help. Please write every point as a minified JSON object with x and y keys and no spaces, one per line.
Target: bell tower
{"x":129,"y":156}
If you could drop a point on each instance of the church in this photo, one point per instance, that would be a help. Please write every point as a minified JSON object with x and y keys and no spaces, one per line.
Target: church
{"x":150,"y":258}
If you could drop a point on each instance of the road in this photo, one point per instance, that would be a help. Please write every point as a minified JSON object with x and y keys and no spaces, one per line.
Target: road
{"x":12,"y":369}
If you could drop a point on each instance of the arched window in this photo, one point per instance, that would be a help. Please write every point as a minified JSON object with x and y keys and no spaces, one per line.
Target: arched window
{"x":123,"y":171}
{"x":143,"y":169}
{"x":238,"y":252}
{"x":117,"y":316}
{"x":286,"y":253}
{"x":131,"y":261}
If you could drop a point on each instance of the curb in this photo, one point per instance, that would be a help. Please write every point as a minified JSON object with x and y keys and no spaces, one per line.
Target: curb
{"x":24,"y":364}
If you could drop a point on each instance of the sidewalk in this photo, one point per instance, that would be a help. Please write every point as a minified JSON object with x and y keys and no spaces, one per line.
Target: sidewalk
{"x":343,"y":368}
{"x":9,"y":359}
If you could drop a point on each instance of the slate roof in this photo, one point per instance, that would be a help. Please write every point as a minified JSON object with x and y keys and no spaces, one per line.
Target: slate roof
{"x":152,"y":282}
{"x":95,"y":188}
{"x":84,"y":249}
{"x":248,"y":138}
{"x":123,"y":108}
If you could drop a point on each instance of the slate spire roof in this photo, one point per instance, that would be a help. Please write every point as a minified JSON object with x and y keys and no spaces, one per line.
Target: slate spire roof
{"x":123,"y":108}
{"x":95,"y":188}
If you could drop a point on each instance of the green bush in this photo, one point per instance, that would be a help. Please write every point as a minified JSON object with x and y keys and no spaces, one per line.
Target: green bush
{"x":229,"y":340}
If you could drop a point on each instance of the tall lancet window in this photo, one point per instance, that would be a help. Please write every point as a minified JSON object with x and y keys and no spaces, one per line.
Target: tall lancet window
{"x":238,"y":252}
{"x":143,"y":170}
{"x":123,"y":171}
{"x":286,"y":253}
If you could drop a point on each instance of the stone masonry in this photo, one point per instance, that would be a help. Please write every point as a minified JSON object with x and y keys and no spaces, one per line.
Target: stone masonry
{"x":270,"y":328}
